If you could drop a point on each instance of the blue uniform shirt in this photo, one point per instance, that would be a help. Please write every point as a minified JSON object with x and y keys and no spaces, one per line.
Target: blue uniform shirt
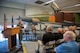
{"x":69,"y":47}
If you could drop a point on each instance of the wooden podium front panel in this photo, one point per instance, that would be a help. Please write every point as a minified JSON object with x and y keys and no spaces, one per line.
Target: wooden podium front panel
{"x":12,"y":42}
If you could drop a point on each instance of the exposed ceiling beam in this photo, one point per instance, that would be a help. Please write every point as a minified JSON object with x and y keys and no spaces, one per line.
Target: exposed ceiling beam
{"x":48,"y":2}
{"x":71,"y":6}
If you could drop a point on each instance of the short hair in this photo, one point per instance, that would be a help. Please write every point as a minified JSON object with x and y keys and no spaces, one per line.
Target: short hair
{"x":59,"y":29}
{"x":70,"y":27}
{"x":74,"y":27}
{"x":49,"y":28}
{"x":66,"y":29}
{"x":71,"y":34}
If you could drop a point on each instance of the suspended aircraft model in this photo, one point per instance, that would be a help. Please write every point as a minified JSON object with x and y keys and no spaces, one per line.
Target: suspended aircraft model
{"x":39,"y":18}
{"x":43,"y":17}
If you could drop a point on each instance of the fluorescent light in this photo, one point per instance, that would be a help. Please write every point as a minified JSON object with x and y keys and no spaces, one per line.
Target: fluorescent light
{"x":49,"y":1}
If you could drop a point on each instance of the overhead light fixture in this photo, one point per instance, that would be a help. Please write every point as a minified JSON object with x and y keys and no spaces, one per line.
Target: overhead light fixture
{"x":48,"y":2}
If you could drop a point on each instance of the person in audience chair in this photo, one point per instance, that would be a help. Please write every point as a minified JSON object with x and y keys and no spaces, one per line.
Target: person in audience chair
{"x":59,"y":36}
{"x":48,"y":40}
{"x":48,"y":36}
{"x":74,"y":28}
{"x":70,"y":28}
{"x":70,"y":45}
{"x":65,"y":29}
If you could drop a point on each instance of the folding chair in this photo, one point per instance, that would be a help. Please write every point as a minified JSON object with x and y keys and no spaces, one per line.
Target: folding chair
{"x":46,"y":48}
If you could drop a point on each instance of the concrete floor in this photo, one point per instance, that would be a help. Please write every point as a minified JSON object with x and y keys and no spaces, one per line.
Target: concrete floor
{"x":4,"y":44}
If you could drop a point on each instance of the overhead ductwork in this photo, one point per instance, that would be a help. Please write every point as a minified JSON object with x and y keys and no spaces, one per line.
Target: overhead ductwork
{"x":71,"y":6}
{"x":53,"y":5}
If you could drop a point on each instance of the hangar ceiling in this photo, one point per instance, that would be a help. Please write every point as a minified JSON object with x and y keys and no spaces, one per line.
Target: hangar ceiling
{"x":64,"y":5}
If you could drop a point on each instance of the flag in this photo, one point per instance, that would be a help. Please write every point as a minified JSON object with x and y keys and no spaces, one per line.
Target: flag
{"x":12,"y":22}
{"x":20,"y":20}
{"x":5,"y":22}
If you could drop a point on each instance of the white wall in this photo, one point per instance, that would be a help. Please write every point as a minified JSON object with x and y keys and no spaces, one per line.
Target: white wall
{"x":12,"y":4}
{"x":9,"y":13}
{"x":11,"y":9}
{"x":32,"y":9}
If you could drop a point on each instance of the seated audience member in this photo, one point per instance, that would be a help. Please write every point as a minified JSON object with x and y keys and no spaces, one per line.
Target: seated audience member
{"x":74,"y":28}
{"x":65,"y":29}
{"x":60,"y":30}
{"x":70,"y":45}
{"x":48,"y":36}
{"x":59,"y":35}
{"x":70,"y":28}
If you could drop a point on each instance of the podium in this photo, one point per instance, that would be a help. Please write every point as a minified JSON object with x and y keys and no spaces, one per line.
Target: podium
{"x":10,"y":33}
